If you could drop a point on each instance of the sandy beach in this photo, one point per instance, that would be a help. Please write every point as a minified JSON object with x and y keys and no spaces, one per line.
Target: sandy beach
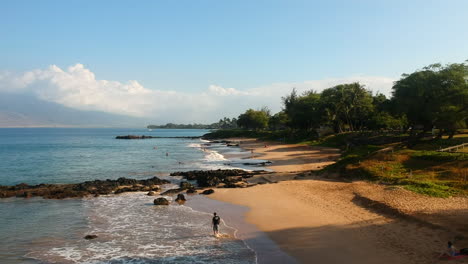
{"x":318,"y":220}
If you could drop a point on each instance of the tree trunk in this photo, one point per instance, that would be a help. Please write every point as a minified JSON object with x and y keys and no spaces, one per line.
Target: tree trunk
{"x":451,"y":134}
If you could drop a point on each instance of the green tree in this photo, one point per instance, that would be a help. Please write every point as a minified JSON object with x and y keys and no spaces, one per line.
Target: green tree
{"x":278,"y":121}
{"x":347,"y":106}
{"x":434,"y":96}
{"x":303,"y":112}
{"x":253,"y":119}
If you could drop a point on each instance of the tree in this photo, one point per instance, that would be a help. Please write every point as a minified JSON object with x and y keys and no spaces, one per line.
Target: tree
{"x":347,"y":106}
{"x":303,"y":112}
{"x":434,"y":96}
{"x":278,"y":121}
{"x":253,"y":119}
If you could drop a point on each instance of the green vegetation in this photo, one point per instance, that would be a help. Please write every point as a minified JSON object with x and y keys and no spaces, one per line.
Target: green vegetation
{"x":225,"y":123}
{"x":418,"y":168}
{"x":435,"y":96}
{"x":389,"y":140}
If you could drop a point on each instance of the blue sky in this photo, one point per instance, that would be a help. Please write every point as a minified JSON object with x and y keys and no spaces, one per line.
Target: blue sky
{"x":186,"y":46}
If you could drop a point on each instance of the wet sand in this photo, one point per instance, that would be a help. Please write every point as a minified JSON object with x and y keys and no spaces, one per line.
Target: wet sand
{"x":233,"y":216}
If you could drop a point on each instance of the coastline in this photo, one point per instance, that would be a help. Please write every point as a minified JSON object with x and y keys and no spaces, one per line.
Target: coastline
{"x":233,"y":216}
{"x":327,"y":221}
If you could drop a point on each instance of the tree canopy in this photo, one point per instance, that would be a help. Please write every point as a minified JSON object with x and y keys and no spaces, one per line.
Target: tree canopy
{"x":436,"y":96}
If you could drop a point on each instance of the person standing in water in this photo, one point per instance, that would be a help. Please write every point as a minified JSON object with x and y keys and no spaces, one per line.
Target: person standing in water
{"x":215,"y":223}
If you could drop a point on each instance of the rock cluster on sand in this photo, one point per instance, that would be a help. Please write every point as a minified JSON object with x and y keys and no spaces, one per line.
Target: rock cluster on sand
{"x":96,"y":187}
{"x":218,"y":178}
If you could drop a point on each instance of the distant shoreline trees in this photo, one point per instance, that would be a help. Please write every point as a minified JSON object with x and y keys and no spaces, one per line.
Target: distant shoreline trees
{"x":434,"y":97}
{"x":225,"y":123}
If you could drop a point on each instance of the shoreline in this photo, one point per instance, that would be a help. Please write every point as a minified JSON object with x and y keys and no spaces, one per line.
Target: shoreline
{"x":233,"y":216}
{"x":328,"y":221}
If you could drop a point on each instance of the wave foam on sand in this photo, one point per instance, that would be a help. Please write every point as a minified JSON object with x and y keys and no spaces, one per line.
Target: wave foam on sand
{"x":131,"y":229}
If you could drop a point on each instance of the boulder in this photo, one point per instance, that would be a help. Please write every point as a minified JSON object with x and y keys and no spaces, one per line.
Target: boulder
{"x":151,"y":193}
{"x":209,"y":191}
{"x":180,"y":198}
{"x":88,"y":237}
{"x":161,"y":201}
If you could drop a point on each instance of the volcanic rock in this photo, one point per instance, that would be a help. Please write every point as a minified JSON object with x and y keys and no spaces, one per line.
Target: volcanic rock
{"x":209,"y":191}
{"x":161,"y":201}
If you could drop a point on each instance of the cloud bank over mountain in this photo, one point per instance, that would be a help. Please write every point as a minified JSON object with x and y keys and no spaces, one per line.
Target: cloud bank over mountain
{"x":78,"y":88}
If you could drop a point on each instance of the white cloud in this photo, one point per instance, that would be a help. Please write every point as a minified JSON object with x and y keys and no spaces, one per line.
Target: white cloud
{"x":77,"y":87}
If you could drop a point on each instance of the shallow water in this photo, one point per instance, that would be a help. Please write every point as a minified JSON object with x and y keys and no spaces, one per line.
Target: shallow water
{"x":69,"y":155}
{"x":130,"y":229}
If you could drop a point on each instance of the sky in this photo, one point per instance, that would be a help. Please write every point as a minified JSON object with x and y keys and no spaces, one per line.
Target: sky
{"x":198,"y":61}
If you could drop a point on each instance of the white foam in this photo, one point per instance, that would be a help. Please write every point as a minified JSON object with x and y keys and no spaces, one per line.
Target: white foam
{"x":132,"y":230}
{"x":214,"y":156}
{"x":194,"y":145}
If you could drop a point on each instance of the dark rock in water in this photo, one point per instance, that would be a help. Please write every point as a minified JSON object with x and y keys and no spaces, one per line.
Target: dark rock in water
{"x":191,"y":191}
{"x":88,"y":237}
{"x":161,"y":201}
{"x":78,"y":190}
{"x":133,"y":137}
{"x":151,"y":193}
{"x":180,"y":198}
{"x":209,"y":191}
{"x":21,"y":186}
{"x":186,"y":185}
{"x":212,"y":178}
{"x":173,"y":191}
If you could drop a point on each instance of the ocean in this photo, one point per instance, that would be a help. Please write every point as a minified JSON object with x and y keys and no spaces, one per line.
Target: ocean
{"x":130,"y":229}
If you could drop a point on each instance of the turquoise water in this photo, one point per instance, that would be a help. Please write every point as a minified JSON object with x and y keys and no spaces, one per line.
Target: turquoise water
{"x":68,"y":155}
{"x":130,"y":228}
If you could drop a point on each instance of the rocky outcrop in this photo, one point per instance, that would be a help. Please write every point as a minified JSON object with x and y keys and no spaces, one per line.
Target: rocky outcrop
{"x":207,"y":192}
{"x":173,"y":191}
{"x":186,"y":185}
{"x":212,"y":178}
{"x":77,"y":190}
{"x":161,"y":201}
